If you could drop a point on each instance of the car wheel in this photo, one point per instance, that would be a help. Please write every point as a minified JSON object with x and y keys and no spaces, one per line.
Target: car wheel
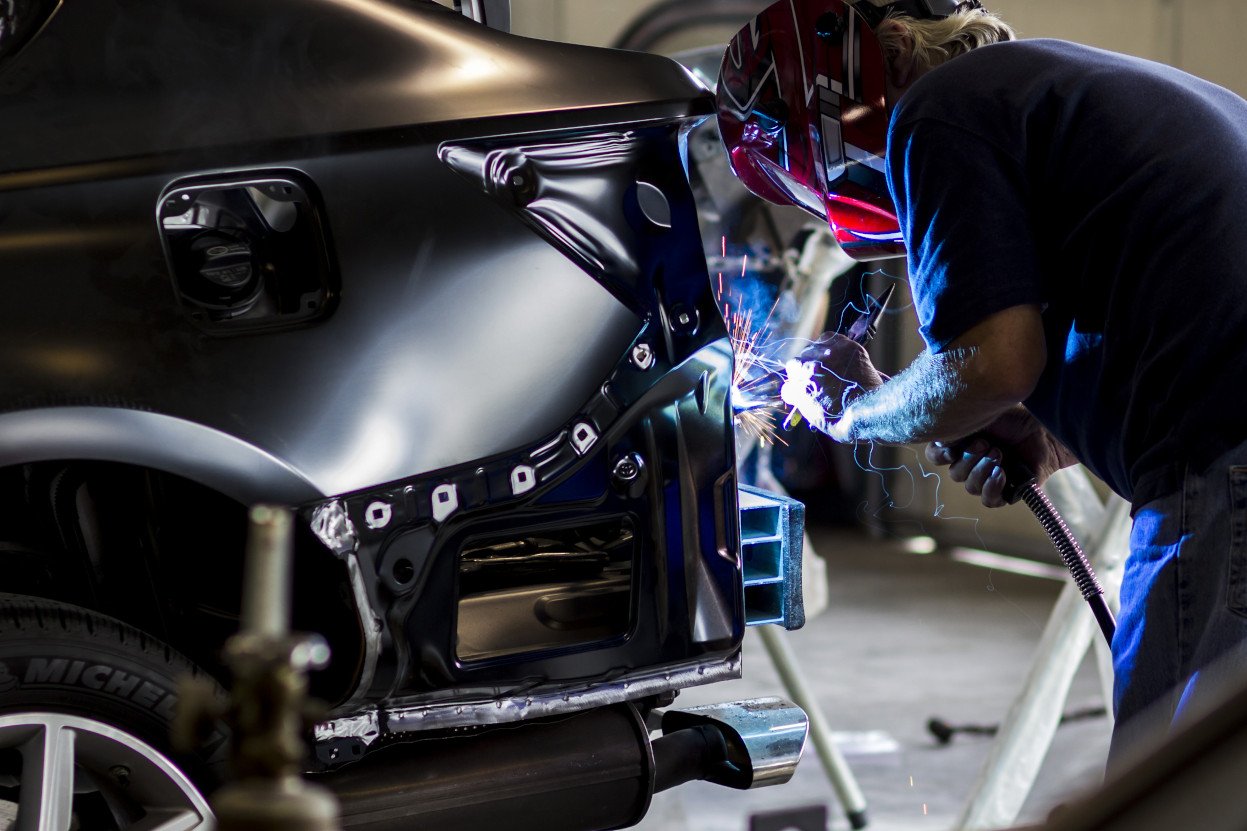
{"x":86,"y":703}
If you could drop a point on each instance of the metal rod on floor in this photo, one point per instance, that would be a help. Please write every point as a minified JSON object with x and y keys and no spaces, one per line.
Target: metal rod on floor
{"x":834,"y":764}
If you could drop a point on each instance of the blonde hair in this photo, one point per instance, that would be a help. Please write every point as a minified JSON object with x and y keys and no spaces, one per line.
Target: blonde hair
{"x":937,"y":41}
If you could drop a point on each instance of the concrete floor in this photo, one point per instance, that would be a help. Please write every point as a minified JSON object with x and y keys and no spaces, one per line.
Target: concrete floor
{"x":905,"y":637}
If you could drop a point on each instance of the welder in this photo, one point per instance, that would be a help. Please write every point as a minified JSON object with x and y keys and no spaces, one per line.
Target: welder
{"x":1074,"y":226}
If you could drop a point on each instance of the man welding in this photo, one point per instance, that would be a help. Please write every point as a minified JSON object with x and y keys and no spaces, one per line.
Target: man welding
{"x":1074,"y":225}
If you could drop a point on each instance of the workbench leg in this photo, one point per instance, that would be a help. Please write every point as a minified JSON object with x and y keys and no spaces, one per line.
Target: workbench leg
{"x":834,"y":764}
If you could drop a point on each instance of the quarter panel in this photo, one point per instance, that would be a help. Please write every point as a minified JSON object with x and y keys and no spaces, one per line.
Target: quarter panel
{"x":459,"y":333}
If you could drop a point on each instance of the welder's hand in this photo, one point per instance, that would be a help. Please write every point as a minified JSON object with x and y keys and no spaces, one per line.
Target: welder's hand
{"x":824,"y":378}
{"x":977,"y":463}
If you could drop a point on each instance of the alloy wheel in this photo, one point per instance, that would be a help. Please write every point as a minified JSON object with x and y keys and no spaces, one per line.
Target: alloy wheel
{"x":60,"y":772}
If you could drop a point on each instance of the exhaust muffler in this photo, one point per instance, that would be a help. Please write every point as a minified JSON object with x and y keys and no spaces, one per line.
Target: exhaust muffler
{"x":584,"y":772}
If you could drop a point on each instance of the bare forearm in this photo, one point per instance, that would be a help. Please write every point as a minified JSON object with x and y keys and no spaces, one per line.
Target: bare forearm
{"x":938,"y":397}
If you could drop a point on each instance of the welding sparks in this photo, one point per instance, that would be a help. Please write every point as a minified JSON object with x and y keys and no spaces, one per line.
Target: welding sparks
{"x":754,"y":381}
{"x":763,"y":424}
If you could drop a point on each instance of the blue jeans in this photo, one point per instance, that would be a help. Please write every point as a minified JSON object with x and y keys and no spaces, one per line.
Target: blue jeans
{"x":1182,"y":631}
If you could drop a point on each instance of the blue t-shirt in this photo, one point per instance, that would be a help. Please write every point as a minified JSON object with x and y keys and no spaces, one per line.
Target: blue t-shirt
{"x":1112,"y":192}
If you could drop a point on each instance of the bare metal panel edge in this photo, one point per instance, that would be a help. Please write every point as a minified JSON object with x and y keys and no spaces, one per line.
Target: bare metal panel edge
{"x":368,"y":725}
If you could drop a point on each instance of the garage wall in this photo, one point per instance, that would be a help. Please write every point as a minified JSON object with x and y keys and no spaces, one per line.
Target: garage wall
{"x":1203,"y":36}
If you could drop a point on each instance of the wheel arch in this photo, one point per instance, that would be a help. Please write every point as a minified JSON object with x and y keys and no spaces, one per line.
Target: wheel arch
{"x":219,"y":476}
{"x":203,"y":454}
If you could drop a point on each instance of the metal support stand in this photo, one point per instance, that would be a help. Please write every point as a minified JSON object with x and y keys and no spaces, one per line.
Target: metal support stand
{"x":1027,"y":731}
{"x":815,"y":267}
{"x":814,"y":582}
{"x":834,"y":764}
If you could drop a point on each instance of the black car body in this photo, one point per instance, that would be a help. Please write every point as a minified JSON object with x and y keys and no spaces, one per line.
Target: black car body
{"x":439,"y":288}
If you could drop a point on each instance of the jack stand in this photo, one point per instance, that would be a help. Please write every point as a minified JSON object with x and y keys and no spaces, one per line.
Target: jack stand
{"x":267,"y":712}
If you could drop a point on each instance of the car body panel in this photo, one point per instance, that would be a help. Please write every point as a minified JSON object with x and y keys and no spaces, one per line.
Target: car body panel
{"x":506,"y":225}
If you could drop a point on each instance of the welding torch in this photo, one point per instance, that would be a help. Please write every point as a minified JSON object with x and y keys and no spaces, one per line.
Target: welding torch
{"x":761,"y":389}
{"x":864,"y":326}
{"x":1021,"y":485}
{"x":860,"y":331}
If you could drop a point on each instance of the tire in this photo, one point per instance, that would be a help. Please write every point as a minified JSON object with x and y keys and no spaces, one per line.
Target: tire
{"x":67,"y":668}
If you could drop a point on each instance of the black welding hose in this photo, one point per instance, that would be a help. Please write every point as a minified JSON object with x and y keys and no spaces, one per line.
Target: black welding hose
{"x":1021,"y":484}
{"x":1071,"y":554}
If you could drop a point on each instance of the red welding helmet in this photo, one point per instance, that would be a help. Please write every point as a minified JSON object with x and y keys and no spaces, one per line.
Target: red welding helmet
{"x":801,"y":112}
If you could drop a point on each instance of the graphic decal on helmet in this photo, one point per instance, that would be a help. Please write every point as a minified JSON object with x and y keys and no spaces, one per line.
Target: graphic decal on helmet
{"x":802,"y":114}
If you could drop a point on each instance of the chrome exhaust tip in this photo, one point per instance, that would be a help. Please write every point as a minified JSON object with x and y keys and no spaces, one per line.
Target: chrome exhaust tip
{"x":744,"y":744}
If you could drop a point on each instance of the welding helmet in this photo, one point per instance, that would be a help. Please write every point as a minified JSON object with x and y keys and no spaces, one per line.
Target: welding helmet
{"x":801,"y":112}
